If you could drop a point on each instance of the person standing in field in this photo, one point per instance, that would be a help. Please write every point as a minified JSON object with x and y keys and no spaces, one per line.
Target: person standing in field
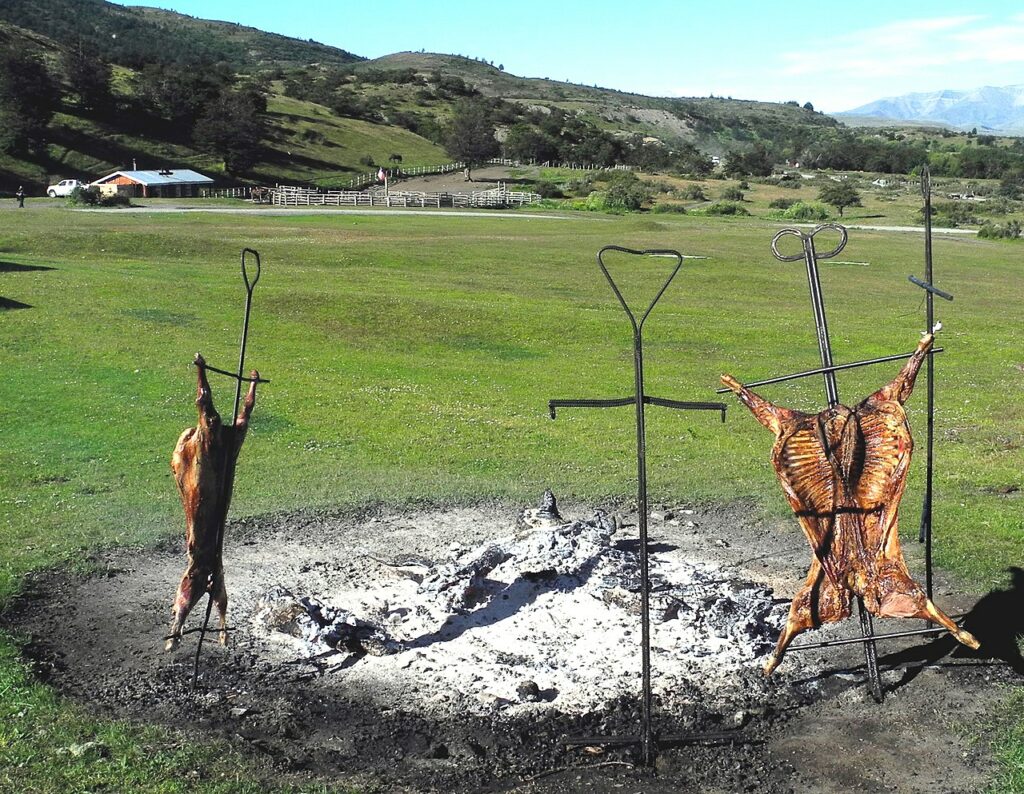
{"x":20,"y":196}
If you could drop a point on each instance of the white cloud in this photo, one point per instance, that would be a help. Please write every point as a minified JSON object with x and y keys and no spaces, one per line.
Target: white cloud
{"x":908,"y":47}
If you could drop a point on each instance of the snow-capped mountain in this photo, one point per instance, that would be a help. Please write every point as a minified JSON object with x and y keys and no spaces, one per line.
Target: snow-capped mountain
{"x":990,"y":108}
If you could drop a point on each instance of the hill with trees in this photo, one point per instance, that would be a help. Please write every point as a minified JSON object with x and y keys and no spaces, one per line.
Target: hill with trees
{"x":87,"y":87}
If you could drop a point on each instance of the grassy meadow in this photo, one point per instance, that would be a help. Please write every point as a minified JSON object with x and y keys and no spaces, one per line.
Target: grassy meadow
{"x":411,"y":359}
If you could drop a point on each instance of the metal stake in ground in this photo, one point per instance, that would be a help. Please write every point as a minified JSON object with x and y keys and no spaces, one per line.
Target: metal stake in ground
{"x":639,"y":400}
{"x":228,"y":473}
{"x":810,"y":257}
{"x":930,"y":291}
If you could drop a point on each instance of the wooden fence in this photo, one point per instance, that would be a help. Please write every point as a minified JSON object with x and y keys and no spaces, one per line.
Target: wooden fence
{"x":226,"y":192}
{"x":500,"y":197}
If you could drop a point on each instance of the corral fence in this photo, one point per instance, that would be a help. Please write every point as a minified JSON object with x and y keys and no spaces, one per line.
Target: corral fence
{"x":499,"y":197}
{"x":227,"y":192}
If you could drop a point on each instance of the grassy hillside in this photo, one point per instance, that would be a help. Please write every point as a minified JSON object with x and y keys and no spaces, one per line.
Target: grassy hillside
{"x":137,"y":35}
{"x":715,"y":125}
{"x":305,"y":142}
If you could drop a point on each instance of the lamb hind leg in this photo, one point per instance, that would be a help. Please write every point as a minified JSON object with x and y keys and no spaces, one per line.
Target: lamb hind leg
{"x":188,"y":595}
{"x":220,"y":599}
{"x":819,"y":601}
{"x":911,"y":602}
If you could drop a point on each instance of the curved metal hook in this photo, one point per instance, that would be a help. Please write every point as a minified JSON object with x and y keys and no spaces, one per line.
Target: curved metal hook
{"x":637,"y":325}
{"x":245,"y":274}
{"x":808,"y":239}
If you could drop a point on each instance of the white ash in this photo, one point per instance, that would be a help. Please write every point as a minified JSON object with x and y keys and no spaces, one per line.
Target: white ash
{"x":548,"y":617}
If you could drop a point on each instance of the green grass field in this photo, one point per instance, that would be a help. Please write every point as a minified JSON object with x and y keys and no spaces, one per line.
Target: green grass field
{"x":412,"y":359}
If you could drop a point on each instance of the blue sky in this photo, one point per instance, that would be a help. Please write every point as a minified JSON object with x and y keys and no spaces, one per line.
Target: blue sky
{"x":836,"y":57}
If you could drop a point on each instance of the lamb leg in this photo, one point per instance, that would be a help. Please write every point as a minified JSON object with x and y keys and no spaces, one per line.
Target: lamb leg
{"x":190,"y":590}
{"x":902,"y":597}
{"x":771,"y":416}
{"x":220,"y":599}
{"x":819,"y":601}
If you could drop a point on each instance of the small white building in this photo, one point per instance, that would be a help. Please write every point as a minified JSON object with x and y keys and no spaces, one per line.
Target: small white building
{"x":179,"y":183}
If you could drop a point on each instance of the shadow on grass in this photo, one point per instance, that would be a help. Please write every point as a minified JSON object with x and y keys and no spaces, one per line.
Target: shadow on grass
{"x":14,"y":267}
{"x":997,"y":620}
{"x":7,"y":303}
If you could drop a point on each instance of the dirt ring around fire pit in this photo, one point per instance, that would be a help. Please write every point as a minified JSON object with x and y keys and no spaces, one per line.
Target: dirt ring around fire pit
{"x":456,"y":648}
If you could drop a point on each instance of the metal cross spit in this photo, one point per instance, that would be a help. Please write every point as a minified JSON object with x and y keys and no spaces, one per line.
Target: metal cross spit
{"x":640,"y":399}
{"x":810,"y":258}
{"x":228,"y":473}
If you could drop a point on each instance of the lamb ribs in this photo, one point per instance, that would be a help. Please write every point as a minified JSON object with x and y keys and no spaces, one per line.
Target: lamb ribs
{"x":843,"y":471}
{"x":204,"y":465}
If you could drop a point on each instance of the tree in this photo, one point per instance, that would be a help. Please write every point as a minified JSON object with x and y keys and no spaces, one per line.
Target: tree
{"x":808,"y":106}
{"x":89,"y":77}
{"x":28,"y":99}
{"x":526,"y":144}
{"x":840,"y":195}
{"x":470,"y":135}
{"x":233,"y":127}
{"x":181,"y":94}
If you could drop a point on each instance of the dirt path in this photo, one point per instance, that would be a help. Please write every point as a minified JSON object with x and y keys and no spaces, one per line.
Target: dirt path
{"x":811,"y":728}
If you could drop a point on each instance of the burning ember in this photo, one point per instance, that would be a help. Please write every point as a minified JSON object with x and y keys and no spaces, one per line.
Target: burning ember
{"x":549,"y":615}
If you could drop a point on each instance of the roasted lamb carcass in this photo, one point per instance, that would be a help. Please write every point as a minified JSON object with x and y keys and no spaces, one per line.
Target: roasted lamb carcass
{"x":843,"y":471}
{"x":204,"y":465}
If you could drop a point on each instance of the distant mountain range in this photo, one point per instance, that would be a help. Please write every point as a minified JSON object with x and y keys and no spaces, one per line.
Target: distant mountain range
{"x":989,"y":108}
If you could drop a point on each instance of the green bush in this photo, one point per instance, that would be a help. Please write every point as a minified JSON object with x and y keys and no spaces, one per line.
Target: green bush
{"x":84,"y":197}
{"x":548,"y":190}
{"x":115,"y":200}
{"x":993,"y":231}
{"x":726,"y":208}
{"x":806,"y":211}
{"x":90,"y":197}
{"x":662,"y":208}
{"x":626,"y":192}
{"x":693,"y":193}
{"x":998,"y":206}
{"x":781,"y":203}
{"x":732,"y":194}
{"x":951,"y":213}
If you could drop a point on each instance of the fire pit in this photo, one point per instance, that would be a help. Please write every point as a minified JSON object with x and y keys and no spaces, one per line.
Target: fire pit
{"x":545,"y":618}
{"x":440,"y":682}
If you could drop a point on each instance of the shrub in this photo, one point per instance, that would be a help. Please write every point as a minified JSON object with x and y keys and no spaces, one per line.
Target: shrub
{"x":744,"y":185}
{"x":951,"y":213}
{"x":781,"y":203}
{"x":579,"y":187}
{"x":84,"y":197}
{"x":115,"y":200}
{"x":732,"y":194}
{"x":626,"y":192}
{"x":726,"y":208}
{"x":90,"y":197}
{"x":693,"y":193}
{"x":998,"y":206}
{"x":806,"y":211}
{"x":548,"y":190}
{"x":993,"y":231}
{"x":662,"y":208}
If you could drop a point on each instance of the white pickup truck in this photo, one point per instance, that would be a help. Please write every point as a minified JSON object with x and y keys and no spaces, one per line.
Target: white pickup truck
{"x":63,"y":188}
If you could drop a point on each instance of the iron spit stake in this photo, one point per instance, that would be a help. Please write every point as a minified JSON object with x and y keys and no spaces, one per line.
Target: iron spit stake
{"x":228,"y":472}
{"x":811,"y":257}
{"x":647,"y":741}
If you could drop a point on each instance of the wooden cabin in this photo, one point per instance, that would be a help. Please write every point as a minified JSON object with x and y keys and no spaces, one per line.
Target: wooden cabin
{"x":179,"y":183}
